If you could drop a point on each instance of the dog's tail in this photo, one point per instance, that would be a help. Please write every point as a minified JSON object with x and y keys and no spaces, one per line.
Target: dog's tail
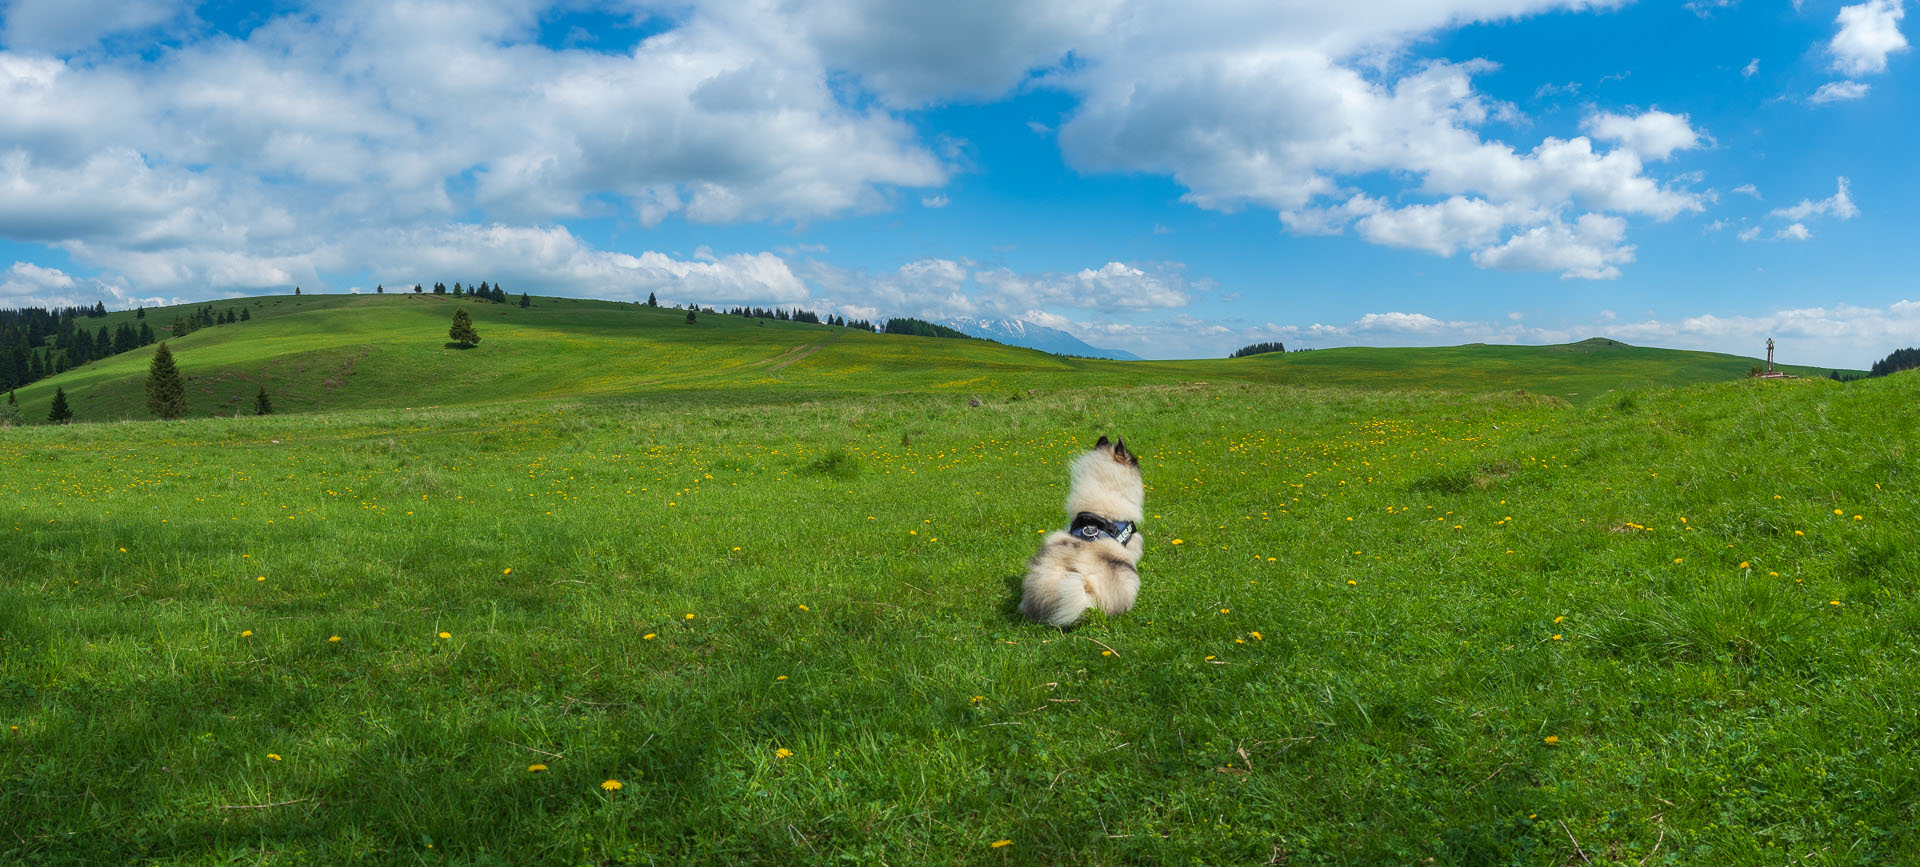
{"x":1057,"y":600}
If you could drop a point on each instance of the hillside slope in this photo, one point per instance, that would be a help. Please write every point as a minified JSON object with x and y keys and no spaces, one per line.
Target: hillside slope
{"x":341,"y":352}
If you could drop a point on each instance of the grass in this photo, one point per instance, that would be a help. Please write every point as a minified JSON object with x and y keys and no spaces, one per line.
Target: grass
{"x":315,"y":353}
{"x":1377,"y":627}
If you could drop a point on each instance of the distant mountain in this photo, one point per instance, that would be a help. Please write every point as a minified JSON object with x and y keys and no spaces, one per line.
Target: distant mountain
{"x":1016,"y":332}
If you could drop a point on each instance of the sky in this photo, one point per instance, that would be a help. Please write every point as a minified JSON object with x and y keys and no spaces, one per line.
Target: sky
{"x":1175,"y":179}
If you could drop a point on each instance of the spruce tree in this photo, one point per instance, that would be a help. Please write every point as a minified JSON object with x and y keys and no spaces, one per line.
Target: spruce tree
{"x":140,"y":313}
{"x":296,"y":290}
{"x":244,"y":315}
{"x":60,"y":413}
{"x":166,"y":391}
{"x":261,"y":404}
{"x":380,"y":289}
{"x":690,"y":317}
{"x":525,"y":301}
{"x":462,"y":331}
{"x":652,"y":301}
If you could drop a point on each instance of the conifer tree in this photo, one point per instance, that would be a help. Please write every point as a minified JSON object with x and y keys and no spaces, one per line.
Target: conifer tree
{"x":652,"y":301}
{"x":380,"y":289}
{"x":525,"y":301}
{"x":140,"y":313}
{"x":462,"y":331}
{"x":416,"y":288}
{"x":690,"y":317}
{"x":166,"y":391}
{"x":60,"y":413}
{"x":244,"y":316}
{"x":10,"y":400}
{"x":261,"y":404}
{"x":296,"y":290}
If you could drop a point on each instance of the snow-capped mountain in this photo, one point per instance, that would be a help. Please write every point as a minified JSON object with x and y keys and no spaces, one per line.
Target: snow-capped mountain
{"x":1018,"y":332}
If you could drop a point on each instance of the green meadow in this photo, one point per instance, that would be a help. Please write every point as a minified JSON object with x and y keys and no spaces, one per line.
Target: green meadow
{"x":614,"y":589}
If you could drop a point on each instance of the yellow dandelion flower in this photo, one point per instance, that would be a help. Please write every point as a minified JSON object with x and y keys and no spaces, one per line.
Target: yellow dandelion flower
{"x":1556,"y":636}
{"x":978,"y":698}
{"x":274,"y":756}
{"x":446,"y":635}
{"x":1226,"y":611}
{"x":1106,"y":653}
{"x":805,"y":608}
{"x":1839,"y":511}
{"x":689,"y":615}
{"x":261,"y":578}
{"x":1256,"y":636}
{"x":1560,"y":618}
{"x":1176,"y":541}
{"x":1551,"y":739}
{"x":1679,"y":559}
{"x":333,"y":639}
{"x":507,"y":571}
{"x":1744,"y":564}
{"x":1834,"y":602}
{"x":1799,"y":532}
{"x":534,"y":769}
{"x":736,"y":547}
{"x":246,"y":633}
{"x":613,"y":785}
{"x":1858,"y":518}
{"x":781,"y":677}
{"x":1352,"y":583}
{"x":647,"y":637}
{"x":782,"y":753}
{"x":1209,"y":657}
{"x":999,"y":843}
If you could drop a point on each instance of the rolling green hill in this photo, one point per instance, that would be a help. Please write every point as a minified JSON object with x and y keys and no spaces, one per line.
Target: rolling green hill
{"x":342,"y":352}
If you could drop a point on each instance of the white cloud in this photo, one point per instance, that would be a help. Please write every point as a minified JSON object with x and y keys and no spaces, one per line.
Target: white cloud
{"x":28,"y":285}
{"x":554,"y":260}
{"x":1749,"y":233}
{"x":1748,"y":189}
{"x":66,"y":25}
{"x":934,"y":201}
{"x":1591,"y":248}
{"x":1444,"y":227}
{"x":1751,"y":69}
{"x":1839,"y":91}
{"x":1868,"y":33}
{"x":1654,"y":135}
{"x":1839,"y":206}
{"x":1793,"y":232}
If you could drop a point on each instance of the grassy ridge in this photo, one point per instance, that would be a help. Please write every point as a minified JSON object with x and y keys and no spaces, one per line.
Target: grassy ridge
{"x":335,"y":352}
{"x":1378,"y":627}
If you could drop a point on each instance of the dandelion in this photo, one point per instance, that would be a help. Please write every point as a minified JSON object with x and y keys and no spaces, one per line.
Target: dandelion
{"x":1176,"y":541}
{"x":1679,"y":559}
{"x":1352,"y":583}
{"x":274,"y":756}
{"x":246,"y":633}
{"x":1799,"y":532}
{"x":1106,"y":653}
{"x":736,"y":547}
{"x":333,"y":639}
{"x":613,"y":785}
{"x":781,"y":677}
{"x":1839,"y":511}
{"x":536,"y":768}
{"x":783,"y":753}
{"x":999,"y":843}
{"x":1550,"y":740}
{"x":647,"y":637}
{"x":1209,"y":659}
{"x":978,"y":699}
{"x":1834,"y":602}
{"x":1226,"y":611}
{"x":261,"y":578}
{"x":1858,"y":518}
{"x":446,"y":635}
{"x":1744,"y":564}
{"x":805,"y":608}
{"x":1560,"y":618}
{"x":1556,"y":636}
{"x":689,"y":615}
{"x":507,"y":571}
{"x":1256,"y":636}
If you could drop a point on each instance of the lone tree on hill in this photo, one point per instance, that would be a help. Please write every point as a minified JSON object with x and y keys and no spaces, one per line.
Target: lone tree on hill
{"x":690,"y":317}
{"x":166,"y":391}
{"x":525,"y":302}
{"x":462,"y":331}
{"x":261,"y":405}
{"x":60,"y":413}
{"x":652,"y":301}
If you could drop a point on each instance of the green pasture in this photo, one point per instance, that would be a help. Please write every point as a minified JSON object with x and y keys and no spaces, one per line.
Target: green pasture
{"x":728,"y":617}
{"x":357,"y":352}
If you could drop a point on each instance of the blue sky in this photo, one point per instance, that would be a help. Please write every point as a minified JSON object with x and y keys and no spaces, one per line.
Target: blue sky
{"x":1172,"y":179}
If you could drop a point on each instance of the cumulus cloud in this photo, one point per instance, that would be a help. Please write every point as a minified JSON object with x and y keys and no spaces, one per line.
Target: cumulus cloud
{"x":1839,"y":91}
{"x":68,"y":25}
{"x":1654,"y":135}
{"x":1868,"y":33}
{"x":1793,"y":232}
{"x":1751,"y":69}
{"x":1839,"y":206}
{"x":1590,"y":248}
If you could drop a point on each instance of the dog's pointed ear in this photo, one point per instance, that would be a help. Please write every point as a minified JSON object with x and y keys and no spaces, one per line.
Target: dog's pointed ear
{"x":1102,"y":443}
{"x":1121,"y":455}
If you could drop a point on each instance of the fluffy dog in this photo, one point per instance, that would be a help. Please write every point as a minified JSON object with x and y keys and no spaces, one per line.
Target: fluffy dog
{"x":1093,"y":561}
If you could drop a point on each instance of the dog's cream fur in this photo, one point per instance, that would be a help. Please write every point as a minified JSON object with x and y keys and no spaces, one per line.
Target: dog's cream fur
{"x":1070,"y":575}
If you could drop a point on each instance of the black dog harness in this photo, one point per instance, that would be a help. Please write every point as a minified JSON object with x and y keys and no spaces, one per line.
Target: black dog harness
{"x":1090,"y":526}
